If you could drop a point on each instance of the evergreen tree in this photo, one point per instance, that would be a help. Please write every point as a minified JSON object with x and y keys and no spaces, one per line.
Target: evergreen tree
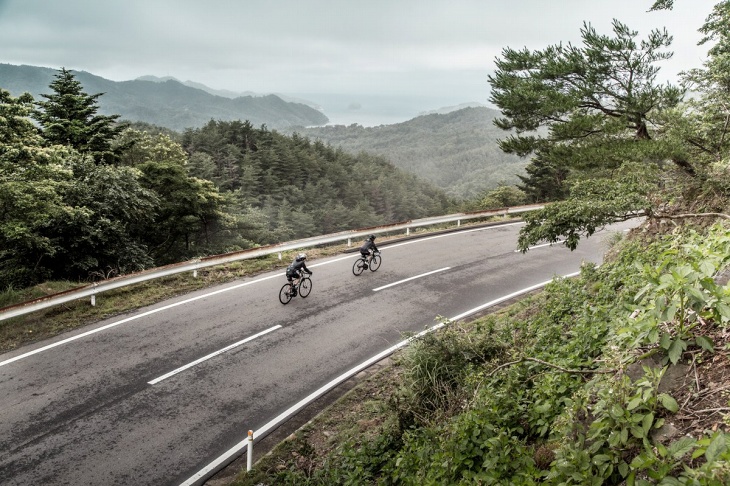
{"x":585,"y":109}
{"x":32,"y":178}
{"x":584,"y":114}
{"x":69,"y":117}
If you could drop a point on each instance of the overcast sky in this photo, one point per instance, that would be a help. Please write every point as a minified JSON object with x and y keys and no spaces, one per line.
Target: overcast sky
{"x":439,"y":52}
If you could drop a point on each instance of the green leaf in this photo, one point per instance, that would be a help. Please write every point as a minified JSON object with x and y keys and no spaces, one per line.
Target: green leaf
{"x":646,"y":423}
{"x":669,"y":312}
{"x":638,"y":432}
{"x":705,"y":343}
{"x":676,"y":349}
{"x":665,"y":341}
{"x":716,"y":447}
{"x":617,"y":411}
{"x":696,"y":294}
{"x":634,"y":403}
{"x":707,"y":268}
{"x":668,"y":402}
{"x":681,"y":446}
{"x":724,"y":310}
{"x":601,"y":459}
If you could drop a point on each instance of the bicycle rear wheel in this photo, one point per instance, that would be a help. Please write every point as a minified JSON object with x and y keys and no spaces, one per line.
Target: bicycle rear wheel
{"x":305,"y":286}
{"x":359,"y":266}
{"x":285,"y":293}
{"x":375,"y":263}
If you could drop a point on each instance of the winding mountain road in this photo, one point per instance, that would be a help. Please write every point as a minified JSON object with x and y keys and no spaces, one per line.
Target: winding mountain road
{"x":152,"y":396}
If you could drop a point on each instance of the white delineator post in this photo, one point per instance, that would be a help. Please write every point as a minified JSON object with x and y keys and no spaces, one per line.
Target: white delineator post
{"x":249,"y":453}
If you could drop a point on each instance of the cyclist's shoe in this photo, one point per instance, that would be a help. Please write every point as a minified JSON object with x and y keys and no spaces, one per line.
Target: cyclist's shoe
{"x":293,"y":293}
{"x":365,"y":266}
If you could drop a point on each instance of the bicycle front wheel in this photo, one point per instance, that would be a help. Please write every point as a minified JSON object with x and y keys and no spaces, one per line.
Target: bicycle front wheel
{"x":359,"y":266}
{"x":305,"y":286}
{"x":285,"y":293}
{"x":375,"y":263}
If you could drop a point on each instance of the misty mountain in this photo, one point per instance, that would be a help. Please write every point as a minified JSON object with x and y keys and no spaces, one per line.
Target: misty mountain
{"x":456,"y":151}
{"x":228,"y":93}
{"x":169,"y":103}
{"x":217,"y":92}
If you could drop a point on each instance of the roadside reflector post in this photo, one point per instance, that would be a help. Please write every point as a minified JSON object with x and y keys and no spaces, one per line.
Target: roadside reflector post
{"x":458,"y":223}
{"x":93,"y":297}
{"x":279,"y":255}
{"x":195,"y":273}
{"x":408,"y":231}
{"x":249,"y":454}
{"x":349,"y":242}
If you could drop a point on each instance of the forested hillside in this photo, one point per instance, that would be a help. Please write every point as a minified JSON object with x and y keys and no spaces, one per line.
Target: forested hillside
{"x":169,"y":104}
{"x":84,"y":196}
{"x":456,"y":151}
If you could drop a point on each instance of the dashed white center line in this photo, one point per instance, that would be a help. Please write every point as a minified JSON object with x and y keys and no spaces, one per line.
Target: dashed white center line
{"x":205,"y":358}
{"x":411,"y":278}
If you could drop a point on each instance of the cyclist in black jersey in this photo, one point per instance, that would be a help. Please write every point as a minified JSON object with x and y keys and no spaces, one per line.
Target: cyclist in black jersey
{"x":296,"y":267}
{"x":368,"y":246}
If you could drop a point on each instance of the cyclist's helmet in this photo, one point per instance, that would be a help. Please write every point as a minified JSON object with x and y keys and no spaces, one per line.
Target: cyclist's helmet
{"x":371,"y":237}
{"x":301,"y":257}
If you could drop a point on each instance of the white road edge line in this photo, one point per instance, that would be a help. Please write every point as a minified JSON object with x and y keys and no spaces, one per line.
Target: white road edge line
{"x":411,"y":278}
{"x":211,"y":355}
{"x":239,"y":448}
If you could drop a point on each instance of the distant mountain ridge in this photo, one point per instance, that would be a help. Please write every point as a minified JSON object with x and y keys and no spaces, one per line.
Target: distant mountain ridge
{"x":217,"y":92}
{"x":169,"y":104}
{"x":227,"y":93}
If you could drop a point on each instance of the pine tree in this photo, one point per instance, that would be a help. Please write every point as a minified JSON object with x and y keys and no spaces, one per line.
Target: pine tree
{"x":69,"y":117}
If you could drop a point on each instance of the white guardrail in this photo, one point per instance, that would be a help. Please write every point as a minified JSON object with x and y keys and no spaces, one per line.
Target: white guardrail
{"x":95,"y":288}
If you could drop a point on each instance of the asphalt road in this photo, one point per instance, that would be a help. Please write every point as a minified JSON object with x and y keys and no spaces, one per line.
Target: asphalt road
{"x":152,"y":396}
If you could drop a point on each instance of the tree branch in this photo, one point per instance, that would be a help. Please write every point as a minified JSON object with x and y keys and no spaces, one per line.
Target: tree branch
{"x":566,"y":370}
{"x":692,"y":215}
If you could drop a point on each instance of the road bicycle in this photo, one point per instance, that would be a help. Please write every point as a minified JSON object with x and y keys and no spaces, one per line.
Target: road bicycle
{"x":371,"y":261}
{"x":303,"y":286}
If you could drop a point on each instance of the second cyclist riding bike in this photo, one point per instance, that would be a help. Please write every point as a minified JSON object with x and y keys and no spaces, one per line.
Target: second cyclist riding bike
{"x":371,"y":262}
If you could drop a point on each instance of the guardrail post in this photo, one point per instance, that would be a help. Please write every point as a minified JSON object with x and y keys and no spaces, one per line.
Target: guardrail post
{"x":249,"y":454}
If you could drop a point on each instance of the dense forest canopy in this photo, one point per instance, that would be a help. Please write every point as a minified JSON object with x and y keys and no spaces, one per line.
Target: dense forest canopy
{"x":83,"y":196}
{"x":456,"y":151}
